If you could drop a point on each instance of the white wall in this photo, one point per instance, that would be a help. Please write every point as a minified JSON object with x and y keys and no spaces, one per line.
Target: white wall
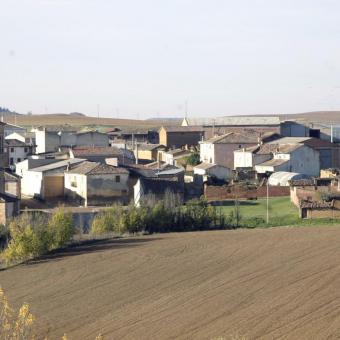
{"x":243,"y":159}
{"x":207,"y":152}
{"x":31,"y":183}
{"x":305,"y":160}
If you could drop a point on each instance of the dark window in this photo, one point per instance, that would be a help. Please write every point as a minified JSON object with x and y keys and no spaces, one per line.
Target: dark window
{"x":12,"y":149}
{"x":314,"y":133}
{"x":117,"y":179}
{"x":19,"y":160}
{"x":25,"y":149}
{"x":11,"y":161}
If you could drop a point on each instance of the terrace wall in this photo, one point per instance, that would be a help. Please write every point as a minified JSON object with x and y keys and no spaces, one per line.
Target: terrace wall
{"x":212,"y":192}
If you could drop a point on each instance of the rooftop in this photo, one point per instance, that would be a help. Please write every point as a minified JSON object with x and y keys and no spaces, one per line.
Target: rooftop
{"x":96,"y":168}
{"x":96,"y":150}
{"x":233,"y":121}
{"x":149,"y":147}
{"x":57,"y":165}
{"x":273,"y":162}
{"x":204,"y":166}
{"x":182,"y":128}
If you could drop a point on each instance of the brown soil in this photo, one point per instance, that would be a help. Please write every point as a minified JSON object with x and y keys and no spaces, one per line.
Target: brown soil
{"x":263,"y":284}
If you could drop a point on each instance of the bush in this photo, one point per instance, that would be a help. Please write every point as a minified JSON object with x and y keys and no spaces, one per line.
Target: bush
{"x":158,"y":216}
{"x":34,"y":235}
{"x":60,"y":229}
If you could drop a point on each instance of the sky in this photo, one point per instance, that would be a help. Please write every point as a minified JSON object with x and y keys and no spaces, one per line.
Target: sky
{"x":155,"y":58}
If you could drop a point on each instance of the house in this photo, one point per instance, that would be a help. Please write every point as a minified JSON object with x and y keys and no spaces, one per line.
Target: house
{"x":247,"y":158}
{"x":148,"y":152}
{"x":26,"y":137}
{"x":3,"y":154}
{"x":45,"y":181}
{"x":283,"y":178}
{"x":132,"y":136}
{"x":9,"y":196}
{"x":220,"y":149}
{"x":174,"y":157}
{"x":12,"y":184}
{"x":9,"y":208}
{"x":109,"y":154}
{"x":329,"y":152}
{"x":51,"y":141}
{"x":297,"y":158}
{"x":180,"y":136}
{"x":11,"y":128}
{"x":205,"y":170}
{"x":17,"y":151}
{"x":94,"y":183}
{"x":238,"y":124}
{"x":156,"y":189}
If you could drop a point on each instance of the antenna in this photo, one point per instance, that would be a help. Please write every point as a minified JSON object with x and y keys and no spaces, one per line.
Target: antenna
{"x":98,"y":110}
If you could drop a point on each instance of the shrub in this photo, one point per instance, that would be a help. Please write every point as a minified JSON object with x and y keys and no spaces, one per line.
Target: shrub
{"x":34,"y":235}
{"x":60,"y":229}
{"x":28,"y":238}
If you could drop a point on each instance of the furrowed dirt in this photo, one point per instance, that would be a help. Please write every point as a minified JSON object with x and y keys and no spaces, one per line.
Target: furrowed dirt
{"x":279,"y":283}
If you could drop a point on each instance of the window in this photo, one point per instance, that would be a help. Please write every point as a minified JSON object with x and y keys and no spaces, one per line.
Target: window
{"x":19,"y":160}
{"x":26,"y":150}
{"x":11,"y":162}
{"x":117,"y":179}
{"x":12,"y":149}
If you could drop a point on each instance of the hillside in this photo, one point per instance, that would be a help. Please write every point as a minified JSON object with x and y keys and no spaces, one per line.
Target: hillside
{"x":80,"y":120}
{"x":278,"y":283}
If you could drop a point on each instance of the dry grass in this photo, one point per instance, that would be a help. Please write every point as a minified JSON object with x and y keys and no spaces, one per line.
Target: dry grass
{"x":62,"y":119}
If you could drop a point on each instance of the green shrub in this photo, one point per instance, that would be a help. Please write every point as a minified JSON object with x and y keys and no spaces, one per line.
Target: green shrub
{"x":60,"y":229}
{"x":34,"y":235}
{"x":28,"y":238}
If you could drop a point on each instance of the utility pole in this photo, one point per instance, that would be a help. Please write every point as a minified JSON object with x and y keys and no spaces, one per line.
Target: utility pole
{"x":267,"y":201}
{"x":98,"y":110}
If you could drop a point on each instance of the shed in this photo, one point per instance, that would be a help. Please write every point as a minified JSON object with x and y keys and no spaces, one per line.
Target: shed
{"x":282,"y":178}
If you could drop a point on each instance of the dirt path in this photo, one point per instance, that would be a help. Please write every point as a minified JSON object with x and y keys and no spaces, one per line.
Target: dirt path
{"x":280,"y":283}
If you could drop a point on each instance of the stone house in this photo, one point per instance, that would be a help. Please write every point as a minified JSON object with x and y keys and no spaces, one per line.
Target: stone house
{"x":174,"y":157}
{"x":180,"y":136}
{"x":94,"y":183}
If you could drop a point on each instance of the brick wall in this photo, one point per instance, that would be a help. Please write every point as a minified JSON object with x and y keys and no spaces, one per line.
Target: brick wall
{"x":229,"y":192}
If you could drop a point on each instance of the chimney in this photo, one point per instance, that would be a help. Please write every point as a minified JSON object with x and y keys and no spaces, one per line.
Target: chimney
{"x":68,"y":166}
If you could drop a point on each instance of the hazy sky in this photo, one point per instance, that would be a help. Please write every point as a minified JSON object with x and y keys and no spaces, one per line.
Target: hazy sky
{"x":144,"y":58}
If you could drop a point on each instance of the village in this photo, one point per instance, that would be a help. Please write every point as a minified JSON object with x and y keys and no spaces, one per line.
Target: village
{"x":222,"y":160}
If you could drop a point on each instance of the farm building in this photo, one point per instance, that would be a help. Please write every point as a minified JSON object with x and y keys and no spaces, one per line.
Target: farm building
{"x":180,"y":136}
{"x":94,"y":183}
{"x":282,"y":178}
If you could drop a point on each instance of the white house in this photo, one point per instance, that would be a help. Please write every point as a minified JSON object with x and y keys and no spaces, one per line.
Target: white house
{"x":51,"y":141}
{"x":213,"y":170}
{"x":11,"y":128}
{"x":17,"y":151}
{"x":173,"y":156}
{"x":45,"y":181}
{"x":249,"y":157}
{"x":297,"y":158}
